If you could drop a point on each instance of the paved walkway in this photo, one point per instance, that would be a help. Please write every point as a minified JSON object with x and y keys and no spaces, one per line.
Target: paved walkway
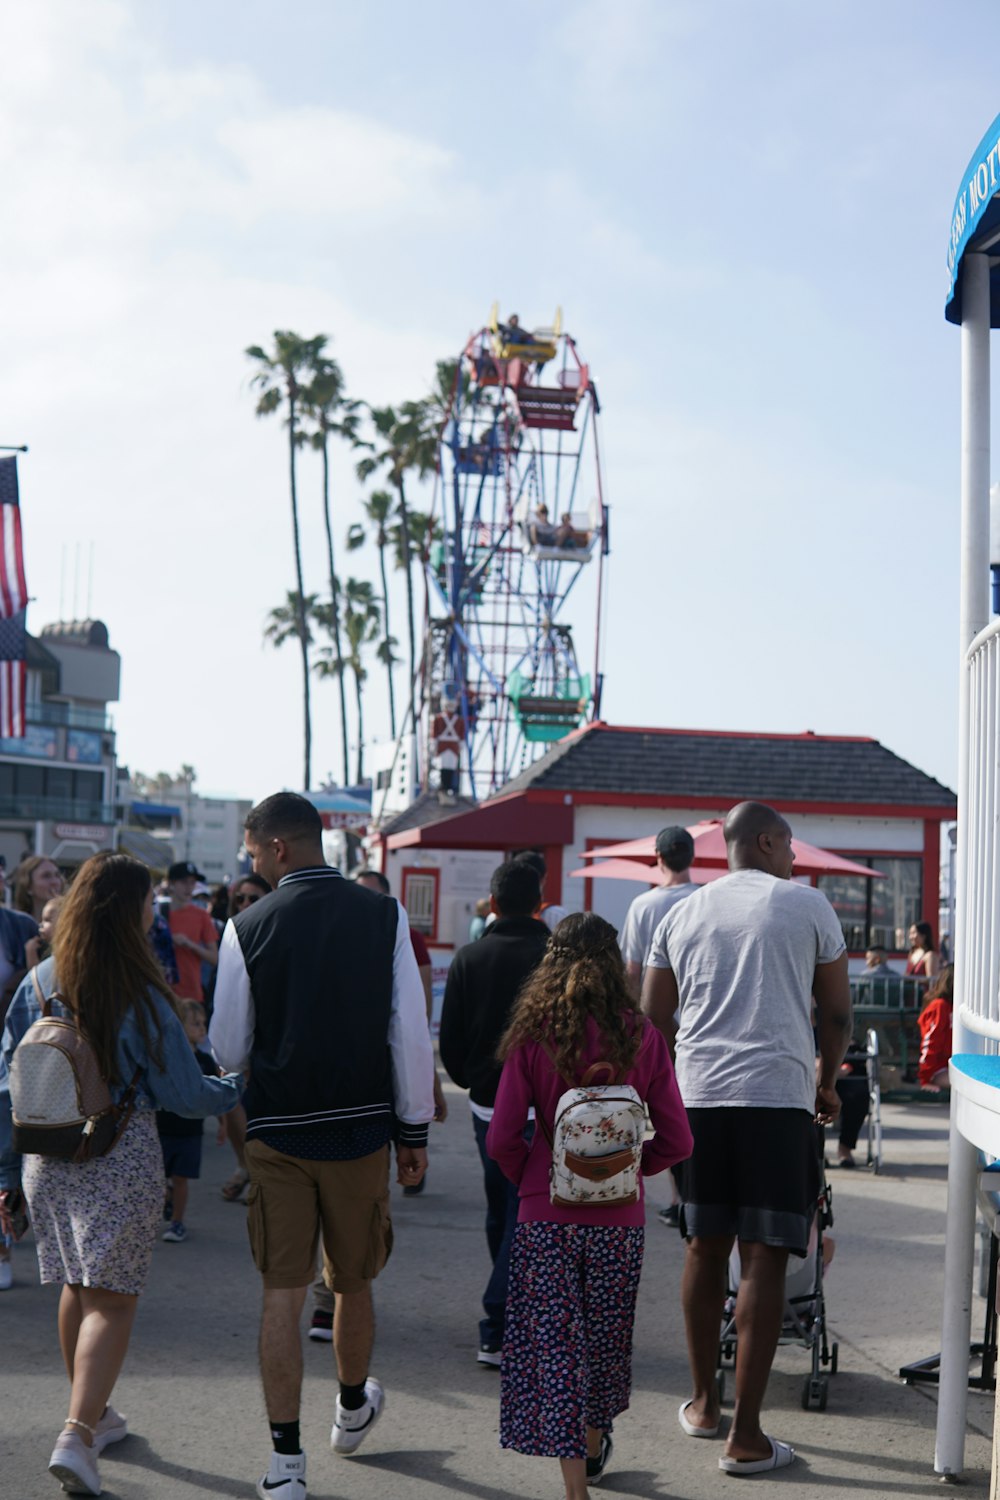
{"x":191,"y":1391}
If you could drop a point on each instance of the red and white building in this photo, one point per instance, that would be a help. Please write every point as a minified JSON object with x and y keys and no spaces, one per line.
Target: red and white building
{"x":605,"y":783}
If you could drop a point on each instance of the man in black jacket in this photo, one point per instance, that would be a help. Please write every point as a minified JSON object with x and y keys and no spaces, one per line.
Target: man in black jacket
{"x":483,"y":983}
{"x":318,"y":992}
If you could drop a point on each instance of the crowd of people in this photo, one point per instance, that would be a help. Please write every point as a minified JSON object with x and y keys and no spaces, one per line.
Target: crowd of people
{"x":295,"y":1008}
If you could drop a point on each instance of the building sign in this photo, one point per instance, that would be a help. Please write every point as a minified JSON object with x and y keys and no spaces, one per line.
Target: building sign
{"x":333,"y":820}
{"x":83,"y":747}
{"x":84,"y":833}
{"x":980,"y":180}
{"x":38,"y":743}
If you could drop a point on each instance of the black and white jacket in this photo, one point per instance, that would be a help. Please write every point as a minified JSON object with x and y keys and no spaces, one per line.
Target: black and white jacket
{"x":319,"y":992}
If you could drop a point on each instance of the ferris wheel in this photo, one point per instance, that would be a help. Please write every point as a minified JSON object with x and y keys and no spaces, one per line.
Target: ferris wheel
{"x":523,"y":541}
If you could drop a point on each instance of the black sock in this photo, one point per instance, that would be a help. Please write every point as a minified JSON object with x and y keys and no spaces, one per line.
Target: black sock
{"x":352,"y":1397}
{"x":285,"y":1437}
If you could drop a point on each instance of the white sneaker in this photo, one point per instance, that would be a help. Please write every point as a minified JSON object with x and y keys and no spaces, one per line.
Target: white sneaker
{"x":110,"y":1429}
{"x":285,"y":1478}
{"x":6,"y":1275}
{"x":75,"y":1465}
{"x":350,"y":1428}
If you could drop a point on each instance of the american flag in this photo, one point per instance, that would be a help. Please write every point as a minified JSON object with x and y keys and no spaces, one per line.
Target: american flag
{"x":13,"y":674}
{"x":13,"y":588}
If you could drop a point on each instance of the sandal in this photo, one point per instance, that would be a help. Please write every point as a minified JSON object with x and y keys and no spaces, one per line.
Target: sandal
{"x":232,"y":1190}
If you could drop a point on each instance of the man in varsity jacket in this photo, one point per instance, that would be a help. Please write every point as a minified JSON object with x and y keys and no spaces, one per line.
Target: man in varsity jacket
{"x":318,"y":994}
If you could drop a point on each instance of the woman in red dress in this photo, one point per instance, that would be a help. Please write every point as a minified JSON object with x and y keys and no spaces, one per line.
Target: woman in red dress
{"x":924,"y":960}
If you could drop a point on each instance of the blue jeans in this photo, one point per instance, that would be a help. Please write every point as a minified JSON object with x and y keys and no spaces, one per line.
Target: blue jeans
{"x":501,"y":1217}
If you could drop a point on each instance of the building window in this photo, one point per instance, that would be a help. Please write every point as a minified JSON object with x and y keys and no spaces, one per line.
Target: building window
{"x":420,"y":900}
{"x":877,"y":911}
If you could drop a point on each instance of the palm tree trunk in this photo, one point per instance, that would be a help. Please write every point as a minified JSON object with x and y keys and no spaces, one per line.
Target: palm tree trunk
{"x":404,"y":524}
{"x":361,"y":728}
{"x":388,"y":633}
{"x":335,"y":610}
{"x":303,"y":642}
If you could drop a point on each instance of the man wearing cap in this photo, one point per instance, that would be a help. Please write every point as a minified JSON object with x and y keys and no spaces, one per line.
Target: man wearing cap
{"x":192,"y":930}
{"x":674,"y":854}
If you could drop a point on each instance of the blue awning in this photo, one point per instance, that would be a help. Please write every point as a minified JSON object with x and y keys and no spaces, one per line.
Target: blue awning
{"x":975,"y":222}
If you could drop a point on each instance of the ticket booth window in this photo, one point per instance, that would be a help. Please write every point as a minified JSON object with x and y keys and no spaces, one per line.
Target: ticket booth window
{"x":420,"y":898}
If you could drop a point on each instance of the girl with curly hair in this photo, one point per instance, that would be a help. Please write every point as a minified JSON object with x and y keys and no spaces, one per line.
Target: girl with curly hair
{"x":567,"y":1356}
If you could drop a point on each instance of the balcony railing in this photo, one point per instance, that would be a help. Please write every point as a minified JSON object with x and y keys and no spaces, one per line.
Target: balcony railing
{"x":56,"y":809}
{"x":978,"y":946}
{"x":68,"y":714}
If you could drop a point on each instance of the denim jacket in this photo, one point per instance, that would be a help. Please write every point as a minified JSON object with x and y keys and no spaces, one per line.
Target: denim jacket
{"x":178,"y":1085}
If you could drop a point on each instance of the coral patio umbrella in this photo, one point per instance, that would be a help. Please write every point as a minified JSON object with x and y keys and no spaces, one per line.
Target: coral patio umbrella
{"x":636,"y":859}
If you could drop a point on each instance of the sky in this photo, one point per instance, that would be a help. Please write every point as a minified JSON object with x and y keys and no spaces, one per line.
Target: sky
{"x":743,"y":212}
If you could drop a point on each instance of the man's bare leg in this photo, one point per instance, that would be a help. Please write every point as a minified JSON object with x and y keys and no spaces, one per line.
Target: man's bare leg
{"x":281,"y":1352}
{"x":703,"y":1294}
{"x":353,"y":1335}
{"x":760,"y":1306}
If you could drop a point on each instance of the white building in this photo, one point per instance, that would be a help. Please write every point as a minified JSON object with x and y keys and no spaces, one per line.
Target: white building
{"x":206,"y":830}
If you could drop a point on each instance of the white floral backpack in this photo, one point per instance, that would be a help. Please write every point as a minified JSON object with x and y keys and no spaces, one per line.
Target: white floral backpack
{"x":596,"y":1142}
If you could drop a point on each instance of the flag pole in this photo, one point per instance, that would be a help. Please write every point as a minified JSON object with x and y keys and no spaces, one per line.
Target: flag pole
{"x":13,"y":447}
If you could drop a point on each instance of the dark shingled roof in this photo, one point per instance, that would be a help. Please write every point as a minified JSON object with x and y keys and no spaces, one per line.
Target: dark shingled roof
{"x":430,"y":807}
{"x":697,"y":763}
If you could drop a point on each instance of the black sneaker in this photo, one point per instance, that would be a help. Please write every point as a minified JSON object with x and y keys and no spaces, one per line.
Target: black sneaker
{"x":671,"y":1215}
{"x":596,"y":1466}
{"x":321,"y":1327}
{"x":489,"y":1355}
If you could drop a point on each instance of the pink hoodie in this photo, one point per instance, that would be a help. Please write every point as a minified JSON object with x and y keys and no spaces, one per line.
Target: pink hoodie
{"x":529,"y":1077}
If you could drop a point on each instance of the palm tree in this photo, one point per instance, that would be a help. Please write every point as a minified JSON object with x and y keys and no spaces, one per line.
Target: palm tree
{"x":361,"y":622}
{"x":402,"y":445}
{"x":378,"y":509}
{"x":333,"y":415}
{"x":278,"y":379}
{"x":285,"y":621}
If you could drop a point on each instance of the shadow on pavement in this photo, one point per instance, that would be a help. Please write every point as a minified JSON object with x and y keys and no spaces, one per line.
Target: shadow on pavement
{"x":136,"y":1452}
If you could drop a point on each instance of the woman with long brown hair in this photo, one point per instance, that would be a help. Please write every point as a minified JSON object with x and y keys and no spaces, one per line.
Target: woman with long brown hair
{"x":574,"y":1272}
{"x":96,"y":1221}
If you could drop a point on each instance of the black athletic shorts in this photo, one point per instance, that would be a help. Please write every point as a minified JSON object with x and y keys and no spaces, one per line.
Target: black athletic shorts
{"x":753,"y":1173}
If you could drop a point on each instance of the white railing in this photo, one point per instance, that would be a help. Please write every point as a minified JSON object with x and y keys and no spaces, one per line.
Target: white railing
{"x":977,"y":945}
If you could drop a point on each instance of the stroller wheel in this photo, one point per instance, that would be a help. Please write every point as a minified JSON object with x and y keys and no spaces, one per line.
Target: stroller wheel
{"x":834,"y":1353}
{"x":720,"y":1383}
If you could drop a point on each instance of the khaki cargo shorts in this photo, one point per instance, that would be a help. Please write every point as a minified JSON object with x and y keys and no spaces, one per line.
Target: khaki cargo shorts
{"x":292,"y":1202}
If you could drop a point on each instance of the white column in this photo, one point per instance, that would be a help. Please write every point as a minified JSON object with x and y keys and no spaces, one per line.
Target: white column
{"x":956,"y":1322}
{"x":960,"y":1224}
{"x":974,"y":584}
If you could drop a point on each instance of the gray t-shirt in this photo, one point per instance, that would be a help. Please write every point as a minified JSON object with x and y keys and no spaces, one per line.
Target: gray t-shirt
{"x":744,"y":950}
{"x":644,"y":917}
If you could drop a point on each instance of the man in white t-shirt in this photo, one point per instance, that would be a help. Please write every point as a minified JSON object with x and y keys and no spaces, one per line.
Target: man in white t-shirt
{"x":674,"y":855}
{"x":743,"y":960}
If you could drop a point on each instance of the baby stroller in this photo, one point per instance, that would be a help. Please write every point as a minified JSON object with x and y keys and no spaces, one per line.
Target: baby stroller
{"x":805,"y":1305}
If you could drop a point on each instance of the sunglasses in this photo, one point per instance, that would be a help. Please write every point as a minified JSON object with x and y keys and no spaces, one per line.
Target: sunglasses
{"x":245,"y":900}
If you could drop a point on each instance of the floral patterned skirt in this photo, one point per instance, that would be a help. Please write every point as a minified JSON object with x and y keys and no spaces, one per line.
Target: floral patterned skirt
{"x":567,"y":1349}
{"x":96,"y":1222}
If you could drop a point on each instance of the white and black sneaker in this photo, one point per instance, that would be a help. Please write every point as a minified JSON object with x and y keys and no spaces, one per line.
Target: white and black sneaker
{"x":350,"y":1428}
{"x":490,"y":1354}
{"x":285,"y":1478}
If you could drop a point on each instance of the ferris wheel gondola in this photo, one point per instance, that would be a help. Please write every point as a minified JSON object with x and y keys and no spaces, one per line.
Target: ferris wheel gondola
{"x":523,"y":527}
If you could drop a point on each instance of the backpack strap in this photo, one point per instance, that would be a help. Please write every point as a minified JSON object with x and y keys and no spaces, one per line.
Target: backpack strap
{"x":585,"y":1082}
{"x":44,"y":1000}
